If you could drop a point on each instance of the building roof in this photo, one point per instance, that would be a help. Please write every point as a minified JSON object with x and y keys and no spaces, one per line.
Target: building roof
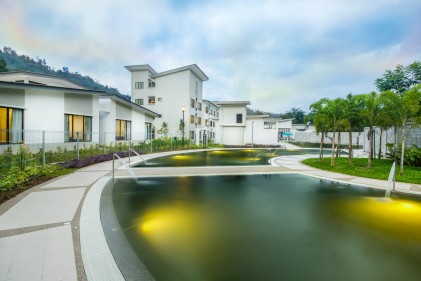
{"x":193,"y":68}
{"x":17,"y":85}
{"x":132,"y":105}
{"x":210,"y":103}
{"x":34,"y":75}
{"x":140,"y":68}
{"x":231,"y":103}
{"x":262,"y":116}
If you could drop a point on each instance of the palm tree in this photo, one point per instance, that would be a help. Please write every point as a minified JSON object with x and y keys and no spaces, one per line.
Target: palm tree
{"x":370,"y":114}
{"x":321,"y":121}
{"x":353,"y":107}
{"x":402,"y":109}
{"x":334,"y":110}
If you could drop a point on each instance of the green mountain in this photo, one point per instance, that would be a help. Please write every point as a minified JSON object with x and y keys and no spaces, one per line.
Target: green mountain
{"x":15,"y":62}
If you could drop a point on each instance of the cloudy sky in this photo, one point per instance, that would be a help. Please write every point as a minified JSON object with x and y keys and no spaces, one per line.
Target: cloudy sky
{"x":277,"y":54}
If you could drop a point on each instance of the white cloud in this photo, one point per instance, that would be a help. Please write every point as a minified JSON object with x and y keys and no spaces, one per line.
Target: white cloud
{"x":277,"y":54}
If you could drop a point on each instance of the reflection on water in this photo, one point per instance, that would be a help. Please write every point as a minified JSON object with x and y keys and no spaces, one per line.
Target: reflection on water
{"x":261,"y":227}
{"x":222,"y":157}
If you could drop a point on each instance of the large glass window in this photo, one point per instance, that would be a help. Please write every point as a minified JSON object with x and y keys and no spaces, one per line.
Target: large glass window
{"x":123,"y":130}
{"x":11,"y":125}
{"x":151,"y":83}
{"x":138,"y":101}
{"x":77,"y":127}
{"x":191,"y":119}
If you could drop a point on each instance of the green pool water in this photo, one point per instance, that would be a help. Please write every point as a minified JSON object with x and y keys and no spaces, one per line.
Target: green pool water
{"x":223,"y":157}
{"x":268,"y":227}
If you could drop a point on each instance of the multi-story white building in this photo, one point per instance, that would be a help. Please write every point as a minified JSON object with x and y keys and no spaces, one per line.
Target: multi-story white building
{"x":176,"y":94}
{"x":211,"y":118}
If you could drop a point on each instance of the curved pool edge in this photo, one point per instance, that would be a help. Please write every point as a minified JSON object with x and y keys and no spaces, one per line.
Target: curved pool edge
{"x":97,"y":259}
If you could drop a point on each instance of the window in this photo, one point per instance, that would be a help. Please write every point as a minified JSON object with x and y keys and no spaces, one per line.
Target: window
{"x":199,"y":120}
{"x":207,"y":109}
{"x":192,"y":103}
{"x":151,"y":83}
{"x":151,"y":100}
{"x":191,"y":119}
{"x":138,"y":101}
{"x":138,"y":85}
{"x":149,"y":131}
{"x":123,"y":130}
{"x":77,"y":127}
{"x":199,"y":106}
{"x":239,"y":118}
{"x":269,"y":125}
{"x":207,"y":123}
{"x":160,"y":99}
{"x":192,"y":135}
{"x":11,"y":125}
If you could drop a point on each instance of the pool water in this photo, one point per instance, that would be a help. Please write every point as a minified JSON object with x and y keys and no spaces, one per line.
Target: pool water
{"x":223,"y":157}
{"x":268,"y":227}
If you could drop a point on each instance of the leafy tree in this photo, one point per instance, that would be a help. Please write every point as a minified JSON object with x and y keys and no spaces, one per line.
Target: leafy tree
{"x":401,"y":110}
{"x":400,"y":79}
{"x":370,"y":116}
{"x":17,"y":62}
{"x":321,"y":121}
{"x":296,"y":113}
{"x":164,"y":128}
{"x":352,"y":109}
{"x":3,"y":65}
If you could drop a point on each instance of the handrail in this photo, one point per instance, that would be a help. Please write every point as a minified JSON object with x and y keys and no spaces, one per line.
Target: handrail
{"x":143,"y":159}
{"x":262,"y":153}
{"x":122,"y":162}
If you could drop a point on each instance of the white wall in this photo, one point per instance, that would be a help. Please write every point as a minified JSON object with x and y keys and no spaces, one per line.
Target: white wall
{"x":233,"y":135}
{"x":260,"y":134}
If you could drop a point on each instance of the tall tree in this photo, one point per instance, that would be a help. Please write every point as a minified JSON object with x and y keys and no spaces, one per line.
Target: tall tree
{"x":402,"y":110}
{"x":400,"y":79}
{"x":3,"y":65}
{"x":370,"y":114}
{"x":321,"y":121}
{"x":353,"y":107}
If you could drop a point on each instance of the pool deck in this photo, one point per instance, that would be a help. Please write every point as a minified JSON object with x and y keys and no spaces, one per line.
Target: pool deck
{"x":40,"y":237}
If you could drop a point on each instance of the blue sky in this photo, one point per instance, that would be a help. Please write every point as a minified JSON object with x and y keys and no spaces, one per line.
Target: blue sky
{"x":276,"y":54}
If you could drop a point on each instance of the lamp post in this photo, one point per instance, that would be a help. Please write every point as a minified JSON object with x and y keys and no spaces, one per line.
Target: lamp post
{"x":252,"y":128}
{"x":184,"y":124}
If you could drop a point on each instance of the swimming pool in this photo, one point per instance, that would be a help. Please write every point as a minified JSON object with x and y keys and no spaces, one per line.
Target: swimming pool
{"x":265,"y":227}
{"x":223,"y":157}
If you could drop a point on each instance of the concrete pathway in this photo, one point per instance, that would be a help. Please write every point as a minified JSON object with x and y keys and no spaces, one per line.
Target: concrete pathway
{"x":40,"y":229}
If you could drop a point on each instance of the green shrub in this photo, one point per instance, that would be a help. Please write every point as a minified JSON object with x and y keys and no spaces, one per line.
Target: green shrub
{"x":412,"y":156}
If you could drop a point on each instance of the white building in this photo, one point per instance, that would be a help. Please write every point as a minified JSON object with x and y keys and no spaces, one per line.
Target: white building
{"x":238,"y":128}
{"x":31,"y":103}
{"x":176,"y":94}
{"x":211,"y":118}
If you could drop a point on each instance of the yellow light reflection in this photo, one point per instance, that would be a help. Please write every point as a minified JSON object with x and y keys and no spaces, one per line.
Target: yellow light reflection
{"x":252,"y":158}
{"x":182,"y":157}
{"x":219,"y":151}
{"x":394,"y":217}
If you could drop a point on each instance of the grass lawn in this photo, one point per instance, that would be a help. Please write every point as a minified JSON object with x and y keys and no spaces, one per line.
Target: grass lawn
{"x":380,"y":168}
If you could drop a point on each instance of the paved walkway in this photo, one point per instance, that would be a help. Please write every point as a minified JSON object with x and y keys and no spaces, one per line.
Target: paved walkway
{"x":39,"y":229}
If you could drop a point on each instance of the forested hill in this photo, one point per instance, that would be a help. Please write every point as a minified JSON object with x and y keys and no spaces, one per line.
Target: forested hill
{"x":15,"y":62}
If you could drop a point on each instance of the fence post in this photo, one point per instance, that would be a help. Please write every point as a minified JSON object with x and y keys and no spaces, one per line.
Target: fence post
{"x":105,"y":143}
{"x":77,"y":145}
{"x":43,"y":148}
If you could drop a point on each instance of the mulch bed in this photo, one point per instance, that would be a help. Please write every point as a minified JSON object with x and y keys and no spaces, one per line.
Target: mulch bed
{"x":7,"y":195}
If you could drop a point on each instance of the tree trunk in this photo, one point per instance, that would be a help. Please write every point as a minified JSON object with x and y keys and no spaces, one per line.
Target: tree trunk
{"x":339,"y":144}
{"x":351,"y":152}
{"x":395,"y":144}
{"x":370,"y":154}
{"x":403,"y":149}
{"x":380,"y":144}
{"x":321,"y":147}
{"x":332,"y":159}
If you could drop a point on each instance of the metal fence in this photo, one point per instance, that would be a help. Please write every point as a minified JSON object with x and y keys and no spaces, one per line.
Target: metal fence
{"x":45,"y":147}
